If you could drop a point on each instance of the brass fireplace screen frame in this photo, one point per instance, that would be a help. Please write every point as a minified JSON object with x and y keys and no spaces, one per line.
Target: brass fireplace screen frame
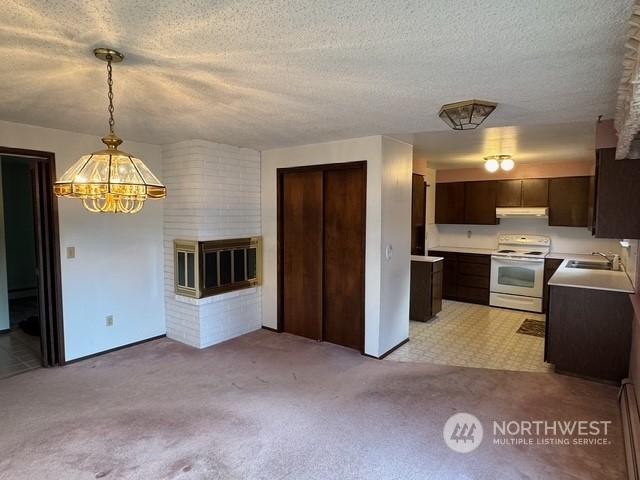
{"x":203,"y":269}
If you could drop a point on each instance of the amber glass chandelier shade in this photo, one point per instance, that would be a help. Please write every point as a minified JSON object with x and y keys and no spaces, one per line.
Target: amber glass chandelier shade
{"x":110,"y":181}
{"x":466,"y":115}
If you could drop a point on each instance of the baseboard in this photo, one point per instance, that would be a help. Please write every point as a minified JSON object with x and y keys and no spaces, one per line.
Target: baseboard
{"x":6,"y":330}
{"x":104,"y":352}
{"x":388,"y":352}
{"x":270,"y":329}
{"x":630,"y":428}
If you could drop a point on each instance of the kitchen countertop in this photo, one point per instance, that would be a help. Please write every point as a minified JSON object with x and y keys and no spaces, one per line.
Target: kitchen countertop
{"x":481,"y":251}
{"x":592,"y":279}
{"x":425,"y":258}
{"x":575,"y":256}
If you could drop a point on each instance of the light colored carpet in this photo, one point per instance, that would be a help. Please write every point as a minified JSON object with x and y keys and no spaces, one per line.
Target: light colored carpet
{"x":274,"y":406}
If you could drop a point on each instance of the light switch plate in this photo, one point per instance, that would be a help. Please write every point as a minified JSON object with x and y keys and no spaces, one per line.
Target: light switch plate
{"x":109,"y":320}
{"x":71,"y":252}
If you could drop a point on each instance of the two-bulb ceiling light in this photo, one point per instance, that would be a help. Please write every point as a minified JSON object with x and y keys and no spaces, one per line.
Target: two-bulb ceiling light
{"x":110,"y":180}
{"x":495,"y":162}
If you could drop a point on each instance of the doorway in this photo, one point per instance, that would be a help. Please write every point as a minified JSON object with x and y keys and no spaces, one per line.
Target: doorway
{"x":321,"y":252}
{"x":30,"y":302}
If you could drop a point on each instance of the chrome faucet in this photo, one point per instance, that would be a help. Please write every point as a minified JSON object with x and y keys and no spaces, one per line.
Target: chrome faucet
{"x":613,"y":260}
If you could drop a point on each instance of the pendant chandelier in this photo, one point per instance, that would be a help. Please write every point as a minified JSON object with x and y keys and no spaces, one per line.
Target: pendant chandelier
{"x":466,"y":115}
{"x":110,"y":180}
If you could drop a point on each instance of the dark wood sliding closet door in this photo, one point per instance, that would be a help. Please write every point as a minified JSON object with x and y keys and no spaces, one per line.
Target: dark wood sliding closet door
{"x":344,"y":220}
{"x":301,"y":224}
{"x":321,"y":252}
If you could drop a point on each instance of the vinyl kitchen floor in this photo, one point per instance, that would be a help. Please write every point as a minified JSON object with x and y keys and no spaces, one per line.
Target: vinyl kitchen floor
{"x":468,"y":335}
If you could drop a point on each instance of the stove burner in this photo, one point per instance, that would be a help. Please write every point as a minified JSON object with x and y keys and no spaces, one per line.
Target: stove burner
{"x":506,"y":251}
{"x":534,"y":253}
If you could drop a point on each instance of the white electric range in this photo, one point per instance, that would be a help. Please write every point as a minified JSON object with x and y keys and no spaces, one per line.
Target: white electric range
{"x":517,"y":272}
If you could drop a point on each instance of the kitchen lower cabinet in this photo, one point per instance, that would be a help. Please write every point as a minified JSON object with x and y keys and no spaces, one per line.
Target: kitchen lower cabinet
{"x":550,"y":267}
{"x":426,"y":290}
{"x":589,"y":332}
{"x":466,"y":276}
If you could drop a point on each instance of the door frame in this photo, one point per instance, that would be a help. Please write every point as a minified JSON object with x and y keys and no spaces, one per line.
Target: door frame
{"x":280,"y":173}
{"x":47,"y":239}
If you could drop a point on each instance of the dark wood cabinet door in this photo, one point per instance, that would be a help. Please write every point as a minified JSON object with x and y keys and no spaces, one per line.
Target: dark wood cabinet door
{"x":535,"y":192}
{"x":344,"y":230}
{"x":302,"y":237}
{"x":568,"y":201}
{"x":420,"y":291}
{"x":550,"y":267}
{"x":418,"y":214}
{"x":509,"y":193}
{"x":617,"y":196}
{"x":436,"y":288}
{"x":480,"y":202}
{"x":449,"y":273}
{"x":450,"y":202}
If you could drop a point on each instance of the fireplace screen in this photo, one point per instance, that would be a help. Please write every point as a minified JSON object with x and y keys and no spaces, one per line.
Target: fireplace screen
{"x":203,"y":269}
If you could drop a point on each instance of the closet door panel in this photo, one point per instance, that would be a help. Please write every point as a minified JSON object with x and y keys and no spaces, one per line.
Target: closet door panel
{"x":344,"y":231}
{"x":302,"y":237}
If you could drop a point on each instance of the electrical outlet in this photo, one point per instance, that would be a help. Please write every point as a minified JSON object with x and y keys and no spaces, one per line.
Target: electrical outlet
{"x":109,"y":320}
{"x":71,"y":252}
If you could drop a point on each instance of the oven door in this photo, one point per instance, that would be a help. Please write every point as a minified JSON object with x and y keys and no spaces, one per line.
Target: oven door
{"x":517,"y":276}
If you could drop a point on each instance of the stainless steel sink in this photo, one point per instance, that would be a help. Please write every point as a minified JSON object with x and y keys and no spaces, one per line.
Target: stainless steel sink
{"x":589,"y":265}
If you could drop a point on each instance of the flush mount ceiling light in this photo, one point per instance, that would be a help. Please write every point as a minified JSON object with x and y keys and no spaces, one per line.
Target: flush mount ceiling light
{"x":493,"y":162}
{"x":110,"y":180}
{"x":466,"y":115}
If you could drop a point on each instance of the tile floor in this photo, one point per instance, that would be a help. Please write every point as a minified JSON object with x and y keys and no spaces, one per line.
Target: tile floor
{"x":468,"y":335}
{"x":19,"y":352}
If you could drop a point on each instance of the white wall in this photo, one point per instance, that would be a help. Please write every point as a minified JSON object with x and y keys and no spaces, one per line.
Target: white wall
{"x":216,"y":195}
{"x":397,"y":158}
{"x":563,"y":239}
{"x":369,"y":149}
{"x":5,"y":322}
{"x":118,"y":269}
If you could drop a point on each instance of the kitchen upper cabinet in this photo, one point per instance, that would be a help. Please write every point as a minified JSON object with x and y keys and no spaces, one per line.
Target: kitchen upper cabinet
{"x":529,"y":192}
{"x":450,"y":202}
{"x":535,"y":192}
{"x":509,"y":193}
{"x":418,"y":214}
{"x":568,"y":201}
{"x":480,"y":202}
{"x":616,"y":196}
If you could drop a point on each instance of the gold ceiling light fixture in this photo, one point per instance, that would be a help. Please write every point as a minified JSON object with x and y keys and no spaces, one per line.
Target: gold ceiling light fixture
{"x":466,"y":115}
{"x":110,"y":180}
{"x":493,"y":162}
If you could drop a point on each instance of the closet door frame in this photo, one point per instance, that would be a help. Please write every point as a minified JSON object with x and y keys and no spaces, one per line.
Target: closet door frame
{"x":280,"y":174}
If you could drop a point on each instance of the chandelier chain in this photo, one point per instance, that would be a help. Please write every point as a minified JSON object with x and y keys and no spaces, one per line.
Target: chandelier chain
{"x":110,"y":84}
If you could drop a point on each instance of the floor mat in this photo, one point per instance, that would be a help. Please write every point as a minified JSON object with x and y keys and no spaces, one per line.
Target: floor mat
{"x":532,"y":327}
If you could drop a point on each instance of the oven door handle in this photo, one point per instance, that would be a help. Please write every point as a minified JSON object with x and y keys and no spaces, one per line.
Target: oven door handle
{"x":526,"y":260}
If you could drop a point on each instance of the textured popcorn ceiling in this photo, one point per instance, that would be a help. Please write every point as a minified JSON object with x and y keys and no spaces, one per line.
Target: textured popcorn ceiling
{"x":278,"y":73}
{"x":555,"y":142}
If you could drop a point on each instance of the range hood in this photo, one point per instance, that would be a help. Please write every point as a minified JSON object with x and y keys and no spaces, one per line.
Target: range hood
{"x":522,"y":212}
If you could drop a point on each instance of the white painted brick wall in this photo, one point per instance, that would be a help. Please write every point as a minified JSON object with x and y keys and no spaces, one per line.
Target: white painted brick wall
{"x":213,"y":193}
